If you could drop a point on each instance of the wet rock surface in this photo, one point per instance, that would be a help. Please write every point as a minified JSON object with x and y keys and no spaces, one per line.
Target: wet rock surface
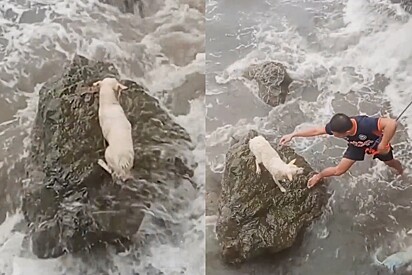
{"x":255,"y":217}
{"x":273,"y":81}
{"x":126,"y":6}
{"x":406,"y":4}
{"x":71,"y":203}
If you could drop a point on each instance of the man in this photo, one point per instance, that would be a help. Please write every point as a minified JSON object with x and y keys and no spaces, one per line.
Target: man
{"x":364,"y":135}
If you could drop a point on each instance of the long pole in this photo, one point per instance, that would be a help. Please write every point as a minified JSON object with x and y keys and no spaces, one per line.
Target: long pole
{"x":380,"y":138}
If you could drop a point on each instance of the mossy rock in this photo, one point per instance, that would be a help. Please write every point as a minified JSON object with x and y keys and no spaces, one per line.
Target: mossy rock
{"x":70,"y":201}
{"x":273,"y":81}
{"x":255,"y":217}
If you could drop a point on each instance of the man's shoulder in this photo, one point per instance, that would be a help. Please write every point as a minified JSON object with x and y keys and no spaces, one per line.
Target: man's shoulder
{"x":365,"y":118}
{"x":365,"y":121}
{"x":360,"y":117}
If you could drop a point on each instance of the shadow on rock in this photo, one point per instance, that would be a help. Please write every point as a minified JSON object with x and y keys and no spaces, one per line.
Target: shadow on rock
{"x":70,"y":202}
{"x":255,"y":217}
{"x":273,"y":81}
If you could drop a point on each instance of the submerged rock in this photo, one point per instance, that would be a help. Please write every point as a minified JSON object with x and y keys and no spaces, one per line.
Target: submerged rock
{"x":70,"y":201}
{"x":406,"y":4}
{"x":255,"y":217}
{"x":126,"y":6}
{"x":273,"y":81}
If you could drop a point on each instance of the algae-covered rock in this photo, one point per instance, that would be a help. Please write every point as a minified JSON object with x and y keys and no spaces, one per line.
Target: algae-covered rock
{"x":255,"y":217}
{"x":126,"y":6}
{"x":406,"y":4}
{"x":70,"y":201}
{"x":273,"y":81}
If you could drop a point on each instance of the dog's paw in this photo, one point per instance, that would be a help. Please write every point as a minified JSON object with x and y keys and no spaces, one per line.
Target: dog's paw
{"x":97,"y":83}
{"x":282,"y":189}
{"x":258,"y":171}
{"x":127,"y":177}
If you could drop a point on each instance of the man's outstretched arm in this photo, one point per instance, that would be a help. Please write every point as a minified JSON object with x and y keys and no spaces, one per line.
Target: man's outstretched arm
{"x":338,"y":170}
{"x":311,"y":132}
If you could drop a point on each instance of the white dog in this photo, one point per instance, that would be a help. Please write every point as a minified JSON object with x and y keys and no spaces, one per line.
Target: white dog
{"x":116,"y":129}
{"x":264,"y":153}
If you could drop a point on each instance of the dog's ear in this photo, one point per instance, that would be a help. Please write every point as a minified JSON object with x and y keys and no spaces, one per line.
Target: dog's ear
{"x":121,"y":87}
{"x":290,"y":176}
{"x":292,"y":162}
{"x":97,"y":83}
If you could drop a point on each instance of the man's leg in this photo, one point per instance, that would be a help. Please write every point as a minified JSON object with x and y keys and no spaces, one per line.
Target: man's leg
{"x":354,"y":153}
{"x":395,"y":164}
{"x":391,"y":162}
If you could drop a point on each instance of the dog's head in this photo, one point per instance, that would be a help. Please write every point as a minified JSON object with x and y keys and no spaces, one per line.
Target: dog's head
{"x":292,"y":170}
{"x":112,"y":83}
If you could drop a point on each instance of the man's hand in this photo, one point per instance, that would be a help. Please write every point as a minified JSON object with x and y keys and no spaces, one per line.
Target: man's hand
{"x":285,"y":139}
{"x":314,"y":180}
{"x":383,"y":148}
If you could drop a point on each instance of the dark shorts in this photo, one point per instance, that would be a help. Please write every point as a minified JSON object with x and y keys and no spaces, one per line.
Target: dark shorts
{"x":358,"y":154}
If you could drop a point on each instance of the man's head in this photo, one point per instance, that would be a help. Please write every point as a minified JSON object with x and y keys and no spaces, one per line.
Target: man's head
{"x":341,"y":125}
